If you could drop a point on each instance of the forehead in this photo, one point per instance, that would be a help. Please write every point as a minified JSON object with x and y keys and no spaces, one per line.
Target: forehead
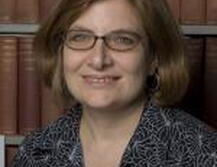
{"x":109,"y":15}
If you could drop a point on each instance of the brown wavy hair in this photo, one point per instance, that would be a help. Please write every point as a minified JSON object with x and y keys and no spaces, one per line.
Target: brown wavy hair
{"x":165,"y":41}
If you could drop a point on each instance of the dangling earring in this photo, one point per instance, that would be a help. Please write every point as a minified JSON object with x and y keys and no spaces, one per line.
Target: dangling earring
{"x":153,"y":82}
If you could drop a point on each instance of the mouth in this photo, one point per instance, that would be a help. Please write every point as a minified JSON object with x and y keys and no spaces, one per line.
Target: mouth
{"x":98,"y":80}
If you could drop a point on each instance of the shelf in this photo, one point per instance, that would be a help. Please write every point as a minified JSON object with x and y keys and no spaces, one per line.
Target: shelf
{"x":31,"y":29}
{"x":18,"y":29}
{"x":13,"y":140}
{"x":2,"y":150}
{"x":199,"y":29}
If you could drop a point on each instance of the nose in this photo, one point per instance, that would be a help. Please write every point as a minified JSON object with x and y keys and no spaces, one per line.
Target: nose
{"x":99,"y":57}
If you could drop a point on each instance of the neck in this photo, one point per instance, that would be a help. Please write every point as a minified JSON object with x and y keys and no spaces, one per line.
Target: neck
{"x":109,"y":125}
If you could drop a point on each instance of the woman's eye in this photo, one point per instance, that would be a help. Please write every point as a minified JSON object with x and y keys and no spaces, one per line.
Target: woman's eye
{"x":124,"y":40}
{"x":79,"y":37}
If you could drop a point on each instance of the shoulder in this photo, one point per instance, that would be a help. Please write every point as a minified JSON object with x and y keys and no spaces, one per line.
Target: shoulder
{"x":42,"y":145}
{"x":179,"y":124}
{"x":176,"y":124}
{"x":187,"y":137}
{"x":178,"y":118}
{"x":168,"y":117}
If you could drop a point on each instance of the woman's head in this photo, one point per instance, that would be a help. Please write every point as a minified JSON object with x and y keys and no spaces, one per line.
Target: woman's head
{"x":159,"y":48}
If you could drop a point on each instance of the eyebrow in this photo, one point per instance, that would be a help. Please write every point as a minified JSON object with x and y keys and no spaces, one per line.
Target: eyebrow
{"x":80,"y":28}
{"x":120,"y":30}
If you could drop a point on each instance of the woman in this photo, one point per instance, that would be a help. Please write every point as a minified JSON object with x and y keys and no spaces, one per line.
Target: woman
{"x":119,"y":64}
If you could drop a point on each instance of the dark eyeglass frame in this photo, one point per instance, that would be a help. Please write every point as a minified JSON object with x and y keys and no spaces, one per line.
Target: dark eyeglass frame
{"x":105,"y":39}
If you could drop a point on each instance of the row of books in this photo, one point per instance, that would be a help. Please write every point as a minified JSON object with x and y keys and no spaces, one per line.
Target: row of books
{"x":200,"y":99}
{"x":26,"y":11}
{"x":25,"y":103}
{"x":194,"y":12}
{"x":36,"y":11}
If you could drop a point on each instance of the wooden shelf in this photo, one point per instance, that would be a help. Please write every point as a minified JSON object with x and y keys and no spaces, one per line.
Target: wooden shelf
{"x":31,"y":29}
{"x":13,"y":140}
{"x":18,"y":29}
{"x":2,"y":150}
{"x":199,"y":30}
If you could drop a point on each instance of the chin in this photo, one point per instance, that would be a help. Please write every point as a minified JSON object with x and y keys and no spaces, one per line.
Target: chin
{"x":97,"y":105}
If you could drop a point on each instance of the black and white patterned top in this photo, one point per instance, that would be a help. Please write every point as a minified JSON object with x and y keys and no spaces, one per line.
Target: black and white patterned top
{"x":163,"y":138}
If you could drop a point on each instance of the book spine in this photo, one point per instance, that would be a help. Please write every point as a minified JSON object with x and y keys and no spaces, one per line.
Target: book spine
{"x":8,"y":85}
{"x":211,"y":17}
{"x":27,"y":11}
{"x":194,"y":52}
{"x":50,"y":110}
{"x":210,"y":93}
{"x":174,"y":6}
{"x":193,"y":12}
{"x":29,"y":87}
{"x":7,"y":11}
{"x":46,"y":8}
{"x":10,"y":152}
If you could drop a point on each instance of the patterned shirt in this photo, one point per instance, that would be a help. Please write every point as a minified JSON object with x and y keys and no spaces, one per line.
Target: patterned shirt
{"x":164,"y":137}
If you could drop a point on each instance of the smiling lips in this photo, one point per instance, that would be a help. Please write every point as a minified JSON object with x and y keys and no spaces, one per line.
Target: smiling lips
{"x":96,"y":80}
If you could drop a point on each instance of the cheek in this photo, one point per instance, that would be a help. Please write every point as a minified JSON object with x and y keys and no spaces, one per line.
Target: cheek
{"x":71,"y":62}
{"x":67,"y":60}
{"x":69,"y":67}
{"x":135,"y":69}
{"x":134,"y":64}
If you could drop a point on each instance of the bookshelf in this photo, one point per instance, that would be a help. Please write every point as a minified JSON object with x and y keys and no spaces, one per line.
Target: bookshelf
{"x":2,"y":150}
{"x":31,"y":29}
{"x":200,"y":30}
{"x":18,"y":29}
{"x":21,"y":30}
{"x":13,"y":140}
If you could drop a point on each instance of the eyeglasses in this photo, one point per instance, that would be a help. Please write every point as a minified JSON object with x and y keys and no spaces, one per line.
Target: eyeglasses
{"x":117,"y":41}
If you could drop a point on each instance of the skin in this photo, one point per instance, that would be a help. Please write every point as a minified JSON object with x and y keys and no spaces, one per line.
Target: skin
{"x":101,"y":61}
{"x":111,"y":107}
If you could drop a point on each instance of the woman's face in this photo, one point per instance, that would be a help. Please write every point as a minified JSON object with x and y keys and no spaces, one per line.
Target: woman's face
{"x":102,"y":78}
